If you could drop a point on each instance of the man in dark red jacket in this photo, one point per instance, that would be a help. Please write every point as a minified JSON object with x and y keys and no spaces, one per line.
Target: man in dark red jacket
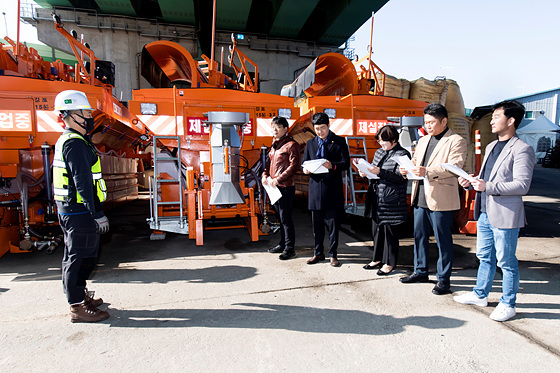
{"x":282,"y":165}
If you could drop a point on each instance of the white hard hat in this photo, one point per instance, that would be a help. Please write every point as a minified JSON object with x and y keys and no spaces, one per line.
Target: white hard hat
{"x":71,"y":100}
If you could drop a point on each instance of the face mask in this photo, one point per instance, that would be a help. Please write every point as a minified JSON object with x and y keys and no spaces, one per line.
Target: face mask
{"x":87,"y":124}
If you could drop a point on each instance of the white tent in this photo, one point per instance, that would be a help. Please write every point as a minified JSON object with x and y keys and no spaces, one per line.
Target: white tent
{"x":539,"y":133}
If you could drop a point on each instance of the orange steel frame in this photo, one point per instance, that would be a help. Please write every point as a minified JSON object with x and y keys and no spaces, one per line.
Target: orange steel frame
{"x":116,"y":128}
{"x":207,"y":94}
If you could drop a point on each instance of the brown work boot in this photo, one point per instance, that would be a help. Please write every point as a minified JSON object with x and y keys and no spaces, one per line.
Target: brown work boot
{"x":316,"y":259}
{"x":89,"y":298}
{"x":85,"y":312}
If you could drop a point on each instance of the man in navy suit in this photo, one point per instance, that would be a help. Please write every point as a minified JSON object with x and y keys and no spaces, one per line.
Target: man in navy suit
{"x":326,"y":198}
{"x":504,"y":179}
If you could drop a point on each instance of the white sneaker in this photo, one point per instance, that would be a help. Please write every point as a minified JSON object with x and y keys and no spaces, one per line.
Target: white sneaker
{"x":471,"y":298}
{"x":502,"y":312}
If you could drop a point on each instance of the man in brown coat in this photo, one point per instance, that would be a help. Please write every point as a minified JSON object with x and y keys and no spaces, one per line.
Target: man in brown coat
{"x":436,"y":197}
{"x":282,"y":165}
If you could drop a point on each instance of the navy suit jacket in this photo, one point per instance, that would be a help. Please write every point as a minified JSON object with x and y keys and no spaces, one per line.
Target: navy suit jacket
{"x":325,"y":190}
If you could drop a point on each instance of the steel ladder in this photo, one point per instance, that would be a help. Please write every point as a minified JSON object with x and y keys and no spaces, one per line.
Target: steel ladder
{"x":351,"y":206}
{"x":176,"y":224}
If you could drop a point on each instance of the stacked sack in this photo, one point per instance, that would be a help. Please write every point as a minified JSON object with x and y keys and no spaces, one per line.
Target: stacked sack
{"x":447,"y":93}
{"x":441,"y":91}
{"x":395,"y":87}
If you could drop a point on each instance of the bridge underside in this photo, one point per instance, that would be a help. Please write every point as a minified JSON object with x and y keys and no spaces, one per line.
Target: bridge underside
{"x":323,"y":22}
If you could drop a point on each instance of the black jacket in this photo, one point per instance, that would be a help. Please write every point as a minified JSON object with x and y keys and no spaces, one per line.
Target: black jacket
{"x":325,"y":190}
{"x":386,"y":197}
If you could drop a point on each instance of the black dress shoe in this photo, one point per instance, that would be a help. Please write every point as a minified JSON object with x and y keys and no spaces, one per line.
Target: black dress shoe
{"x":276,"y":249}
{"x":414,"y":277}
{"x":368,"y":267}
{"x":441,"y":288}
{"x":287,"y":254}
{"x":383,"y":273}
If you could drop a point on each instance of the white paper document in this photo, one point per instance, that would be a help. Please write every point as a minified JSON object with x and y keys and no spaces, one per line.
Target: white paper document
{"x":315,"y":166}
{"x":405,"y":162}
{"x":364,"y":166}
{"x":457,"y":171}
{"x":273,"y":192}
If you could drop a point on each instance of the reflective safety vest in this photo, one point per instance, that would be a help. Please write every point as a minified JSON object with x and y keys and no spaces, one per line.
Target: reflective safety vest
{"x":60,"y":174}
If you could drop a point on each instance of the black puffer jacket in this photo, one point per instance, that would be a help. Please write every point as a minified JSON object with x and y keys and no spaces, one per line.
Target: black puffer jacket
{"x":386,"y":197}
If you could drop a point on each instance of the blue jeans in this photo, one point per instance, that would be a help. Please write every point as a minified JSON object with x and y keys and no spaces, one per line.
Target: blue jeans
{"x":496,"y":246}
{"x":424,"y":220}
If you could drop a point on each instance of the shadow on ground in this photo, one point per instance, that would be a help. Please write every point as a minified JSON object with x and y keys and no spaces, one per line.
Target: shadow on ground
{"x":282,"y":317}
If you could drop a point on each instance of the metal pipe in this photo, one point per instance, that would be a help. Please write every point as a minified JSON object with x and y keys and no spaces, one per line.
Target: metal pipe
{"x":213,"y":36}
{"x":263,"y":166}
{"x":370,"y":46}
{"x":54,"y":244}
{"x":175,"y":108}
{"x":45,"y":151}
{"x":222,"y":61}
{"x":17,"y":37}
{"x":226,"y":158}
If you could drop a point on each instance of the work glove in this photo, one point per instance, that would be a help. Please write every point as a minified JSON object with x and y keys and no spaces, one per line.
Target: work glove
{"x":102,"y":225}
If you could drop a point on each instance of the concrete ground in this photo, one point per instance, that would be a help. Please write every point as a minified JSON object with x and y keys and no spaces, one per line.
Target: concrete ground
{"x":231,"y":306}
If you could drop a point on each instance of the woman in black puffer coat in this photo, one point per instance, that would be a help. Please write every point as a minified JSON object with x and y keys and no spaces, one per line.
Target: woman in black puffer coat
{"x":386,"y":200}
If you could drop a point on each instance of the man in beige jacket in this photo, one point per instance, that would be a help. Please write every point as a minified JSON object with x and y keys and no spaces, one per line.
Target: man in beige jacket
{"x":436,"y":197}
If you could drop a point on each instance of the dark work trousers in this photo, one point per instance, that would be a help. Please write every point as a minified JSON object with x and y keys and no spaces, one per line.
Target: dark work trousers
{"x":385,"y":243}
{"x":283,"y":208}
{"x":80,"y":253}
{"x":424,"y":220}
{"x":332,"y":219}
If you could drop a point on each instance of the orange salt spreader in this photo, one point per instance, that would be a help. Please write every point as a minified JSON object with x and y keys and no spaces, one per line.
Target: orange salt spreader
{"x":29,"y":128}
{"x":194,"y":107}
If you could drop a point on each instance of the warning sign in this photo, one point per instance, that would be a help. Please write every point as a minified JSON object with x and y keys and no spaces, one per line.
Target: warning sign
{"x":15,"y":120}
{"x":369,"y":127}
{"x":195,"y":127}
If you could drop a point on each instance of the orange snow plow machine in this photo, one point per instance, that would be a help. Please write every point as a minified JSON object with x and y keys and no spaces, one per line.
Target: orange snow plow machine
{"x":208,"y":130}
{"x":184,"y":115}
{"x":352,"y":96}
{"x":29,"y":128}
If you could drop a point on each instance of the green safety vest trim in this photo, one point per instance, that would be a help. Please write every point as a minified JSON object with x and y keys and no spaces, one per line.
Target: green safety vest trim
{"x":60,"y":175}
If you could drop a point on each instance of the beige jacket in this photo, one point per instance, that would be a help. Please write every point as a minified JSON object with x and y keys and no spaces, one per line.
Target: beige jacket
{"x":442,"y":193}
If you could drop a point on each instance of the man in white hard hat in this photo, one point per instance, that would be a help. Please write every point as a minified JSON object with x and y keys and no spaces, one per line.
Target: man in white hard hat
{"x":79,"y":191}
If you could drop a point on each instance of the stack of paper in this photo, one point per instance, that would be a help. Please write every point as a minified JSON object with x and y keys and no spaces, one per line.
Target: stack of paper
{"x":315,"y":166}
{"x":273,"y":192}
{"x":457,"y":171}
{"x":405,"y":162}
{"x":364,"y":166}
